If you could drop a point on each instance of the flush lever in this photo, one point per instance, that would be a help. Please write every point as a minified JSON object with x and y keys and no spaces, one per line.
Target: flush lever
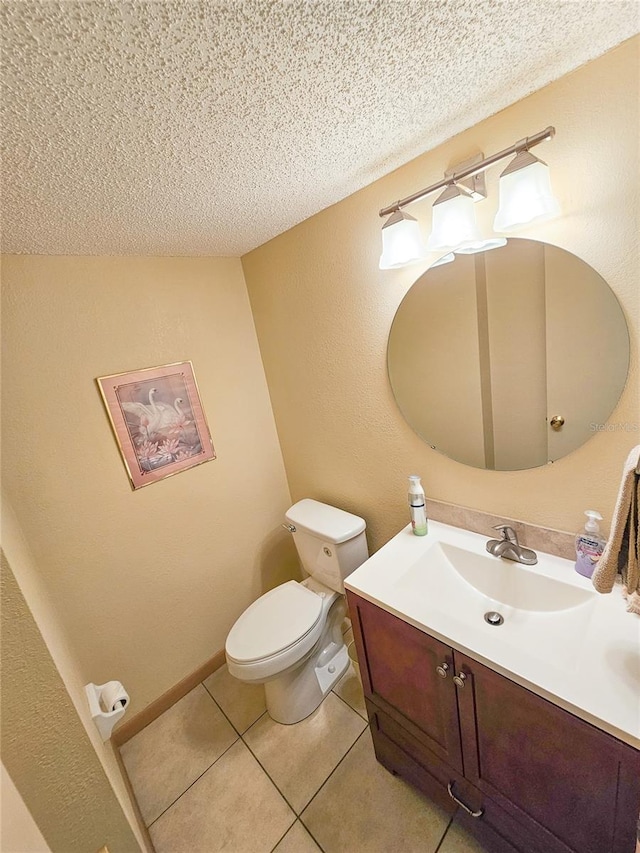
{"x":290,"y":527}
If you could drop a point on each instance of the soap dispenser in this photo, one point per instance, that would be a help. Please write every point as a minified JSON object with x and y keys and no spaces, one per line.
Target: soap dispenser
{"x":589,"y":544}
{"x":417,"y":506}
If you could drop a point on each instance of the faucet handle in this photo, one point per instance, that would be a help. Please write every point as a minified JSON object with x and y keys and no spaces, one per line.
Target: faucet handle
{"x":508,"y":533}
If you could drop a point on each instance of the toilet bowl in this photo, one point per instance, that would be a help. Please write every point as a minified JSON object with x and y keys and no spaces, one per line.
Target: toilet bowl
{"x":291,"y":638}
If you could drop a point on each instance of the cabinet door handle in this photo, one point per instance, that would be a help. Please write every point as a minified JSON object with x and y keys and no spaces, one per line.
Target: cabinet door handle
{"x":442,"y":670}
{"x":478,"y":813}
{"x":459,"y":679}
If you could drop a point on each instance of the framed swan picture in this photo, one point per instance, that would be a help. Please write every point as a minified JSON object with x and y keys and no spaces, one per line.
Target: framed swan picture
{"x":158,"y":421}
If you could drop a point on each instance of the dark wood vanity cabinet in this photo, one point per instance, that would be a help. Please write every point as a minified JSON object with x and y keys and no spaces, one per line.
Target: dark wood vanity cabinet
{"x":529,"y":776}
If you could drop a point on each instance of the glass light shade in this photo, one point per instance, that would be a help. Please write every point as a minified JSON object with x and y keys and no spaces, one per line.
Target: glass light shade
{"x":483,"y":246}
{"x":445,"y":259}
{"x":402,"y":242}
{"x":525,"y":194}
{"x":454,"y":222}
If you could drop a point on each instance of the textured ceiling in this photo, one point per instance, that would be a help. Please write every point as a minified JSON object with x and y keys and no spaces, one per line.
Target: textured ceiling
{"x":205,"y":128}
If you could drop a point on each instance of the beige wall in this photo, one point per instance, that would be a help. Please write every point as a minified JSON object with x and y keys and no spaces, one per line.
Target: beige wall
{"x":18,"y":830}
{"x":518,"y":385}
{"x":441,"y":316}
{"x":64,"y":659}
{"x":146,"y":584}
{"x":584,"y":298}
{"x":45,"y":747}
{"x":323,"y":312}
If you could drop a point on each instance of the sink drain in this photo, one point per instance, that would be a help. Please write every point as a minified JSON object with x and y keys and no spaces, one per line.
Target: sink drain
{"x":493,"y":618}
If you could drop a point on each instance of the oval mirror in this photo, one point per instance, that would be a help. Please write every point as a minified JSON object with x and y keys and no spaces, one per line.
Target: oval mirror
{"x":510,"y":358}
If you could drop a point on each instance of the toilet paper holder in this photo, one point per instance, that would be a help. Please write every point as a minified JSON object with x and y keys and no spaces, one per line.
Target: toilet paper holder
{"x":107,"y":704}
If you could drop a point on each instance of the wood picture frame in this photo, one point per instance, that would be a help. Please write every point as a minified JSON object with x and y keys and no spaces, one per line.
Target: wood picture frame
{"x":158,"y":421}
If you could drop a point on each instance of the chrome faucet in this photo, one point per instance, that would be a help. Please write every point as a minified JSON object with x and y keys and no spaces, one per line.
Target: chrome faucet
{"x":509,"y":547}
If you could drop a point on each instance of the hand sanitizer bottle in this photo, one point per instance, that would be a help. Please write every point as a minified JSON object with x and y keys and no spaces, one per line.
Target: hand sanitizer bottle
{"x":589,"y":545}
{"x":417,"y":506}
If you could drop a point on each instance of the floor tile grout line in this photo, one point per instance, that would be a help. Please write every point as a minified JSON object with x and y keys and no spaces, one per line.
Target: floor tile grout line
{"x":297,"y":814}
{"x":306,"y":828}
{"x":240,"y":736}
{"x":228,"y":718}
{"x":366,"y":728}
{"x":297,"y":820}
{"x":264,"y":770}
{"x":236,"y":739}
{"x":287,"y":831}
{"x":257,"y":719}
{"x":441,"y":842}
{"x":366,"y":719}
{"x":194,"y":781}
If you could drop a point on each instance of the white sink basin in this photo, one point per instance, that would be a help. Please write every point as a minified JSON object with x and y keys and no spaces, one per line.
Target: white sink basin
{"x":513,"y":584}
{"x":557,"y":636}
{"x":464,"y":583}
{"x":448,"y":582}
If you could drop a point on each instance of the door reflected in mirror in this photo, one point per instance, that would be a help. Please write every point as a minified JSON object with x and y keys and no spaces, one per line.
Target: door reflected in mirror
{"x":511,"y":358}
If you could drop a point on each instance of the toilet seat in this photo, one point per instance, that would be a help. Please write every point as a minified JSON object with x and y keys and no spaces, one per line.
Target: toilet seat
{"x":285,"y":617}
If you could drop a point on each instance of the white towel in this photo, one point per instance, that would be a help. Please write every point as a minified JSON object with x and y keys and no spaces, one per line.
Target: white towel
{"x":620,"y":555}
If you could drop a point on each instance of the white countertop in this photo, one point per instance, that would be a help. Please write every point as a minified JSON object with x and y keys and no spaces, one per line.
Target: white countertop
{"x":585,"y":659}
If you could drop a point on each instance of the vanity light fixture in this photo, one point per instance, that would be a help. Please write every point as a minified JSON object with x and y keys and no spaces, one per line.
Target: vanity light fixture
{"x":454,"y":221}
{"x":454,"y":224}
{"x":445,"y":259}
{"x":402,"y":242}
{"x":483,"y":246}
{"x":525,"y":193}
{"x":523,"y":198}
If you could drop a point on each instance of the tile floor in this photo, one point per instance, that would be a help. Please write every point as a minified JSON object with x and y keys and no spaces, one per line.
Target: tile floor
{"x":216,"y":773}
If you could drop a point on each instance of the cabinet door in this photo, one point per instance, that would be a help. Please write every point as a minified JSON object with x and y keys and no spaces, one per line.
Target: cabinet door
{"x":546,"y":767}
{"x":399,"y":664}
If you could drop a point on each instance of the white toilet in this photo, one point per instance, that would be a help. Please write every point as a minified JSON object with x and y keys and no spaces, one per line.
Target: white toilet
{"x":291,"y":637}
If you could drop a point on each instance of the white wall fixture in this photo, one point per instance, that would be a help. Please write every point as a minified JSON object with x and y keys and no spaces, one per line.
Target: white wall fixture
{"x":454,"y":226}
{"x":525,"y":193}
{"x":107,"y":703}
{"x":482,"y":246}
{"x":445,"y":259}
{"x":402,"y":242}
{"x":454,"y":221}
{"x":525,"y":196}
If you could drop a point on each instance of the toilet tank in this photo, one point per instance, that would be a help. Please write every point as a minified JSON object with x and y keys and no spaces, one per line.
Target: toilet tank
{"x":331,"y":542}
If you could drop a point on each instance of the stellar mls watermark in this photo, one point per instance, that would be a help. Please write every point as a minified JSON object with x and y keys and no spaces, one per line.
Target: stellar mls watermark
{"x":616,"y":426}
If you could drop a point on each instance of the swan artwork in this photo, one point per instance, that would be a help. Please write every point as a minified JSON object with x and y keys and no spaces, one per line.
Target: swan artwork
{"x":157,"y":417}
{"x":157,"y":420}
{"x":146,"y":414}
{"x":179,"y":420}
{"x":172,"y":417}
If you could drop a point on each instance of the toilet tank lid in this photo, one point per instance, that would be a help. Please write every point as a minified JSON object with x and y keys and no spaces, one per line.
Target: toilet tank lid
{"x":327,"y":522}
